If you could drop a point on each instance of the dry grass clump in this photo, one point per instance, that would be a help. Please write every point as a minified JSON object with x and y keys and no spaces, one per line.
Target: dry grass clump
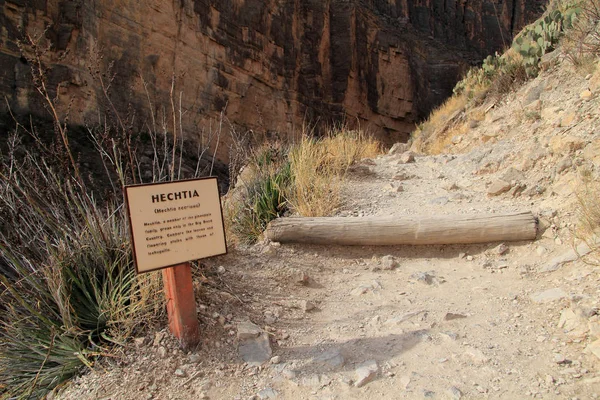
{"x":589,"y":211}
{"x":303,"y":179}
{"x":318,"y":166}
{"x":582,"y":44}
{"x":437,"y":120}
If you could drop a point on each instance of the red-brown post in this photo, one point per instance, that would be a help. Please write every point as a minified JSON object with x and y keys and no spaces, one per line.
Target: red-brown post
{"x":181,"y":304}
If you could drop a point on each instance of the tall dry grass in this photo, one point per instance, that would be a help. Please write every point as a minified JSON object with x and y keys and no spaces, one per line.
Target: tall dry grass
{"x":318,"y":167}
{"x":588,"y":210}
{"x":304,"y":179}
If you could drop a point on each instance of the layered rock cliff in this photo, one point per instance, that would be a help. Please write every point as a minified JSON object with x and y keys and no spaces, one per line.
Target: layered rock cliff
{"x":268,"y":66}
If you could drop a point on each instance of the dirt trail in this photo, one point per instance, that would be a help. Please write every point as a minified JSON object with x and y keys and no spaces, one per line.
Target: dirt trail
{"x":499,"y":321}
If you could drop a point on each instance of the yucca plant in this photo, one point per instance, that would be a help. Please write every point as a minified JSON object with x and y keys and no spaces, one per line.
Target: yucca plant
{"x":68,"y":284}
{"x":264,"y":197}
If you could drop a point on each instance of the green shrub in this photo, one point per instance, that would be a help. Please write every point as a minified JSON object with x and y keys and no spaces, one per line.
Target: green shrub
{"x":543,"y":35}
{"x":69,"y":287}
{"x":264,"y":197}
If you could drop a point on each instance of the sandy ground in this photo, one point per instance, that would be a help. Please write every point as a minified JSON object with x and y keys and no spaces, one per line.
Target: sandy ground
{"x":455,"y":321}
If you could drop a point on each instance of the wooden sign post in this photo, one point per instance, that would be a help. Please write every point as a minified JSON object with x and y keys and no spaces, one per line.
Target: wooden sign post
{"x":171,"y":224}
{"x":181,"y":304}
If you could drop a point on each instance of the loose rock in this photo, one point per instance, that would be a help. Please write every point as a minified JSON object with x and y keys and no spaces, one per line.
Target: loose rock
{"x":452,"y":316}
{"x":331,"y":359}
{"x":365,"y":373}
{"x":455,"y":393}
{"x":267,"y":393}
{"x":247,"y":330}
{"x":501,"y":249}
{"x":498,"y":187}
{"x":549,"y":295}
{"x":389,"y":263}
{"x":255,"y":351}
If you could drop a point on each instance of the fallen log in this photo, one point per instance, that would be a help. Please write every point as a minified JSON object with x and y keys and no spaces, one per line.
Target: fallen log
{"x":411,"y":230}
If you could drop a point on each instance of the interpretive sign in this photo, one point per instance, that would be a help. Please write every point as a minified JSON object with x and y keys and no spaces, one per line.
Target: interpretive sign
{"x":175,"y":222}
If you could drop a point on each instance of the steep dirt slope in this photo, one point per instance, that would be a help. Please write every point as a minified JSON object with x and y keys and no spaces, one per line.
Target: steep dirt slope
{"x":500,"y":321}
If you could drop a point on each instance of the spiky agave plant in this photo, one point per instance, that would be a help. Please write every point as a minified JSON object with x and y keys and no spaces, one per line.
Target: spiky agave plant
{"x":70,"y":287}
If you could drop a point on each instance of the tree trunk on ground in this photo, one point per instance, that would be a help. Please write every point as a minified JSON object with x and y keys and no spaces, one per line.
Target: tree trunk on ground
{"x":411,"y":230}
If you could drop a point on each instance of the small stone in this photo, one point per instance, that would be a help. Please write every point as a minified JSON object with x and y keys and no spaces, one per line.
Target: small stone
{"x":549,"y":295}
{"x":455,"y":393}
{"x":498,"y":187}
{"x":194,"y":358}
{"x":501,"y":249}
{"x":203,"y":396}
{"x":267,"y":393}
{"x":452,"y":316}
{"x":306,"y":305}
{"x":248,"y":330}
{"x":255,"y":351}
{"x":300,"y":277}
{"x":365,"y":373}
{"x":389,"y":263}
{"x":221,"y":269}
{"x":275,"y":360}
{"x":470,"y":258}
{"x":331,"y":359}
{"x":139,"y":342}
{"x":428,"y":393}
{"x":407,"y":157}
{"x":162,"y":352}
{"x":586,"y":94}
{"x":594,"y":348}
{"x":180,"y":373}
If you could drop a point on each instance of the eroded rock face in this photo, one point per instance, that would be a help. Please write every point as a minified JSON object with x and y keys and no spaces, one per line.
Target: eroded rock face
{"x":269,"y":66}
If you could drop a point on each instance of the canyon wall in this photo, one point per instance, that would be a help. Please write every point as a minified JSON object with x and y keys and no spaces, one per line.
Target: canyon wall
{"x":269,"y":67}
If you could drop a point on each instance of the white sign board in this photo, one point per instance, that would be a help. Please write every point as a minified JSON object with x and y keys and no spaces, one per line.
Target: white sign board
{"x":175,"y":222}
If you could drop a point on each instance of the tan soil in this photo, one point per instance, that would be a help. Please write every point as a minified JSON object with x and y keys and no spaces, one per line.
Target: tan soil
{"x":500,"y":345}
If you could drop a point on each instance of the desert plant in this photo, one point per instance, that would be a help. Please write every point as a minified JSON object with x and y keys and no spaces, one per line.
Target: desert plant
{"x":303,"y":179}
{"x":264,"y":194}
{"x":543,"y":35}
{"x":71,"y":287}
{"x":588,"y":211}
{"x":318,"y":166}
{"x":68,"y":289}
{"x":582,"y":44}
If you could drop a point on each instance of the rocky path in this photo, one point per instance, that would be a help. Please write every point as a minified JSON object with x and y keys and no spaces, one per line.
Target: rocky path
{"x":503,"y":321}
{"x":499,"y":321}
